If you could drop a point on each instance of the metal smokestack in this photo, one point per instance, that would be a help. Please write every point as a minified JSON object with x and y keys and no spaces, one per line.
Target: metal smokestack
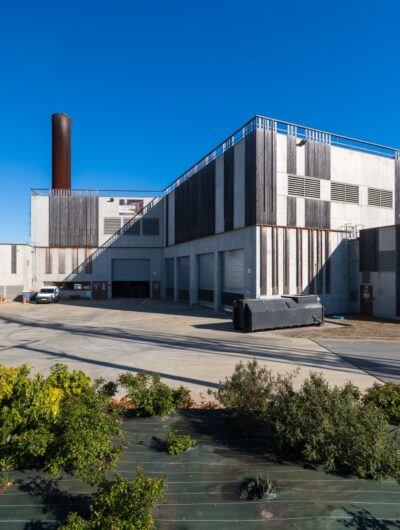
{"x":61,"y":151}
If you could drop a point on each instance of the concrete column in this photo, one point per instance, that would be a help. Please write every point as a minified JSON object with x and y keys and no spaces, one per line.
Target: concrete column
{"x":217,"y":281}
{"x":171,"y":218}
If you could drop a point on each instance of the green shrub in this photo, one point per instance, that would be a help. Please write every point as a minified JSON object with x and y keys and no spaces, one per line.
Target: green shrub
{"x":60,"y":423}
{"x":152,"y":397}
{"x":121,"y":504}
{"x":177,"y":444}
{"x":387,"y":398}
{"x":249,"y":391}
{"x":333,"y":427}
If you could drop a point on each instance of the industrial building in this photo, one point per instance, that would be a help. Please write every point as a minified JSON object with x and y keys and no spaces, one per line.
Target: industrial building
{"x":274,"y":209}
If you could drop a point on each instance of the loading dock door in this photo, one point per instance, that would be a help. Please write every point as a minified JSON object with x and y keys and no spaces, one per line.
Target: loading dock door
{"x":232,"y":264}
{"x":206,"y":278}
{"x":130,"y":278}
{"x":184,"y":278}
{"x":170,"y":277}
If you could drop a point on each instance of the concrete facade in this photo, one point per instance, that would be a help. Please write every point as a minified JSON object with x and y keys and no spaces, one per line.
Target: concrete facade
{"x":276,"y":208}
{"x":15,"y":270}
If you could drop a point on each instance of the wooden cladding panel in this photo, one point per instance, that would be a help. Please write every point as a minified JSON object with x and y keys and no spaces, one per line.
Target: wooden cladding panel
{"x":73,"y":221}
{"x":299,"y":260}
{"x":13,"y":259}
{"x":397,"y":190}
{"x":286,"y":261}
{"x":265,"y":177}
{"x":229,"y":162}
{"x":250,"y":178}
{"x":318,"y":160}
{"x":195,"y":205}
{"x":317,"y":214}
{"x":291,"y":155}
{"x":263,"y":260}
{"x":291,"y":211}
{"x":275,"y":259}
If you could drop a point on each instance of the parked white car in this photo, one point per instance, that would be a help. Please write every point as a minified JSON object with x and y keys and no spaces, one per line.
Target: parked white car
{"x":48,"y":294}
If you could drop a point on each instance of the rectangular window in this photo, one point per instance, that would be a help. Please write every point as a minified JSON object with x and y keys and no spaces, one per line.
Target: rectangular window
{"x":378,"y":197}
{"x":341,"y":192}
{"x":304,"y":187}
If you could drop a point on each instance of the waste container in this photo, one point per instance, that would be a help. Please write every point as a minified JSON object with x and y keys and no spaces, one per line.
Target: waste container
{"x":274,"y":313}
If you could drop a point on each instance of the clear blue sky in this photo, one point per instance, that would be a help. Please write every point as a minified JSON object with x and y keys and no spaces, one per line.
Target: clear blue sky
{"x":151,"y":86}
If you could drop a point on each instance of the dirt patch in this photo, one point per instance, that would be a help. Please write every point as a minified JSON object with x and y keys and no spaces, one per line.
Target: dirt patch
{"x":352,"y":327}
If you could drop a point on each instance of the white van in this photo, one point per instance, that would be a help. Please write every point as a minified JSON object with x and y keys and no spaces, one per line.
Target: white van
{"x":49,"y":294}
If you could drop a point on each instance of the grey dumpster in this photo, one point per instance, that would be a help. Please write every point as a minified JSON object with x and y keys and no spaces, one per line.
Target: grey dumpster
{"x":273,"y":313}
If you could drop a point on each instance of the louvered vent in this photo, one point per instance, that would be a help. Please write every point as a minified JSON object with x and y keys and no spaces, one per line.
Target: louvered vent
{"x":133,"y":230}
{"x":383,"y":198}
{"x":111,"y":224}
{"x":304,"y":187}
{"x":344,"y":192}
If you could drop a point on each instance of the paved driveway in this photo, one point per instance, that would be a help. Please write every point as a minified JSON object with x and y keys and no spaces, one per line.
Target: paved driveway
{"x":190,"y":346}
{"x":377,"y":357}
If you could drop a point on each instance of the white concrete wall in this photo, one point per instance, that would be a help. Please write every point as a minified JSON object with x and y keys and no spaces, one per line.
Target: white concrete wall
{"x":347,"y":166}
{"x":21,"y":280}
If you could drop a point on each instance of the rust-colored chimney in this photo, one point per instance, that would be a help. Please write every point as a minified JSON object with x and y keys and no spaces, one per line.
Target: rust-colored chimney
{"x":61,"y":151}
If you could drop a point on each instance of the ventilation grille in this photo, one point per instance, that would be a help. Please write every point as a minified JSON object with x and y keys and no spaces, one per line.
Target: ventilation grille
{"x":345,"y":192}
{"x":383,"y":198}
{"x":151,"y":226}
{"x":304,"y":187}
{"x":111,"y":224}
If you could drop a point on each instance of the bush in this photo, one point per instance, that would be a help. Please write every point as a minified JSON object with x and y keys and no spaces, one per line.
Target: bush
{"x":258,"y":488}
{"x":150,"y":396}
{"x":121,"y":504}
{"x":178,"y":444}
{"x":60,"y":423}
{"x":249,"y":391}
{"x":333,"y":427}
{"x":387,"y":398}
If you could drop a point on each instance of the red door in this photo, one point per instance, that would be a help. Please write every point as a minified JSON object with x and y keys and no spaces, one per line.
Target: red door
{"x":156,"y":289}
{"x":366,"y":306}
{"x":99,"y":290}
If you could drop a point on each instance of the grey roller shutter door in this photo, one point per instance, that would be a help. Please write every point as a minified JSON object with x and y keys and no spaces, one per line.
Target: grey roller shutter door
{"x":206,"y":277}
{"x":131,"y":270}
{"x":184,"y":277}
{"x":233,"y":271}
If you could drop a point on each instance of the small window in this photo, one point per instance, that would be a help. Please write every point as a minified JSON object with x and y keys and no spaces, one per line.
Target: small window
{"x":382,"y":198}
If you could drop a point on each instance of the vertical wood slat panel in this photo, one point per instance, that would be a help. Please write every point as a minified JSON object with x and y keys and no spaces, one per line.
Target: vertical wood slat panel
{"x":286,"y":261}
{"x":318,"y":160}
{"x":48,"y":262}
{"x":317,"y":214}
{"x":311,"y":283}
{"x":291,"y":211}
{"x":13,"y":259}
{"x":265,"y":199}
{"x":397,"y":188}
{"x":327,"y":263}
{"x":299,"y":260}
{"x":263,"y":261}
{"x":229,"y":163}
{"x":291,"y":155}
{"x":61,"y":261}
{"x":195,"y":205}
{"x":250,"y":178}
{"x":275,"y":259}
